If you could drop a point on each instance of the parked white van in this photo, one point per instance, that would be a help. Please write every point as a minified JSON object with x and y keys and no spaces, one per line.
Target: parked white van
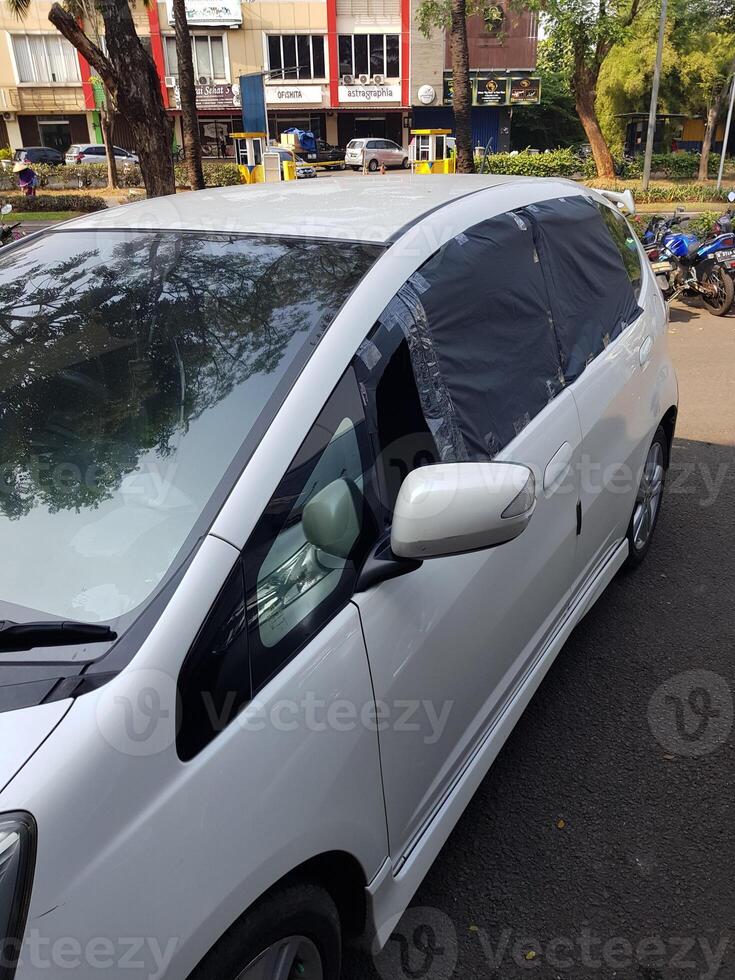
{"x":303,"y":490}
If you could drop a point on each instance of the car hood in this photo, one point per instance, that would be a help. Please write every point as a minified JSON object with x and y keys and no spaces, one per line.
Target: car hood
{"x":22,"y":732}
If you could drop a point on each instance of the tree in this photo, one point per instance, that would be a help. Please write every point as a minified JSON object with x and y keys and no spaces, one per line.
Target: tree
{"x":188,"y":97}
{"x":588,"y":31}
{"x":706,"y":72}
{"x":554,"y":122}
{"x":129,"y":75}
{"x":452,"y":15}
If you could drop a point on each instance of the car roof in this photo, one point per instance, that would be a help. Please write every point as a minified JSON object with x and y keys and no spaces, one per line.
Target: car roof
{"x":348,"y":208}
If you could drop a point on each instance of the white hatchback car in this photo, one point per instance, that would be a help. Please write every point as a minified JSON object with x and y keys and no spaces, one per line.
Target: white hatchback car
{"x":302,"y":494}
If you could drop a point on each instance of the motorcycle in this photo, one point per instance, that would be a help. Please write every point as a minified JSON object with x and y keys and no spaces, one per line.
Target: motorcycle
{"x":8,"y":233}
{"x":683,"y":264}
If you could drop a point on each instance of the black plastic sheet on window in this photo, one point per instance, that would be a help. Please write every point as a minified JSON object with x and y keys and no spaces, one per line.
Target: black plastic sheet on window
{"x":488,"y":319}
{"x":591,"y":296}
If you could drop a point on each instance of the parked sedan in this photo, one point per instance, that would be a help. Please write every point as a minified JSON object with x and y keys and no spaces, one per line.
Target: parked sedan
{"x":373,"y":154}
{"x":304,"y":490}
{"x":39,"y":154}
{"x":95,"y":153}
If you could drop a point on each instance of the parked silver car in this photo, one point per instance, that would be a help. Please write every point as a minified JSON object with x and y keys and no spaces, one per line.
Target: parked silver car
{"x":95,"y":153}
{"x":373,"y":152}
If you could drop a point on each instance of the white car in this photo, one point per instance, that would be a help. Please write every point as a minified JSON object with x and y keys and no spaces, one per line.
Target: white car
{"x":302,"y":495}
{"x":374,"y":153}
{"x":96,"y":153}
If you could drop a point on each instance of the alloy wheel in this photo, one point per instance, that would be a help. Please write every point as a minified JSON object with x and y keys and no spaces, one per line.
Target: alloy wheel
{"x":649,"y":496}
{"x":292,"y":958}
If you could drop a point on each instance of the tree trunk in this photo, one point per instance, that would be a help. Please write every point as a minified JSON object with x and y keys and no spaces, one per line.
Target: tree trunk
{"x":462,"y":88}
{"x":713,"y":114}
{"x":107,"y":121}
{"x":187,"y":94}
{"x":130,"y":75}
{"x":584,"y":100}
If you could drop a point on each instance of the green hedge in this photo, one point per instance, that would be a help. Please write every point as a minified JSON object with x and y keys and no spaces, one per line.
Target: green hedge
{"x":54,"y":202}
{"x":77,"y":177}
{"x":670,"y":165}
{"x":564,"y":163}
{"x":557,"y":163}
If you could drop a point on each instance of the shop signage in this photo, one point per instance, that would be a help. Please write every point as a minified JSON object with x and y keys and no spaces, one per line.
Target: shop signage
{"x":426,"y":94}
{"x":201,"y":13}
{"x":224,"y":96}
{"x":496,"y":89}
{"x":490,"y":89}
{"x":525,"y":91}
{"x":293,"y":94}
{"x":369,"y":93}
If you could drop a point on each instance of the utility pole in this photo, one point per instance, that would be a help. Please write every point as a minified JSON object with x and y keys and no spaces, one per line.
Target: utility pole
{"x":727,"y":134}
{"x":654,"y":98}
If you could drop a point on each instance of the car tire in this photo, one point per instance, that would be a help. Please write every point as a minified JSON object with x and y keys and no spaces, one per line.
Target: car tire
{"x":299,"y":919}
{"x":373,"y":166}
{"x":648,"y":500}
{"x":404,"y":165}
{"x":343,"y":166}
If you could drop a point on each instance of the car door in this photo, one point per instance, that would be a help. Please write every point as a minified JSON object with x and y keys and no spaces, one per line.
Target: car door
{"x":607,"y":330}
{"x":394,"y":154}
{"x":463,"y":365}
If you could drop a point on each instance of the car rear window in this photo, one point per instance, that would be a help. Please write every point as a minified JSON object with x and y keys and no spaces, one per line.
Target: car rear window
{"x":355,"y":144}
{"x":133,"y":367}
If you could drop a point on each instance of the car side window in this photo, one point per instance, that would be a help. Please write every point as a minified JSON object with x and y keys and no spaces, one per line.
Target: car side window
{"x":303,"y":557}
{"x":624,"y":238}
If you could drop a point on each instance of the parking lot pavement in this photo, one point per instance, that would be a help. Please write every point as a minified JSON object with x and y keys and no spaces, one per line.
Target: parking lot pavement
{"x":601,"y":843}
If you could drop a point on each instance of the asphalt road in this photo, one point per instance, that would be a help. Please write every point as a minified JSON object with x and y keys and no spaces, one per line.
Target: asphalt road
{"x":602,"y":843}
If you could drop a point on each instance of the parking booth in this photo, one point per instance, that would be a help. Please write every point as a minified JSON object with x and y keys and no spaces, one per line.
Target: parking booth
{"x":258,"y":163}
{"x":430,"y":153}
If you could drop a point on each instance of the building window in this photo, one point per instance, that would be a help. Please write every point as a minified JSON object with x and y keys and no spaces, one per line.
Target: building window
{"x":296,"y":56}
{"x":370,"y":54}
{"x":208,"y":55}
{"x":45,"y":58}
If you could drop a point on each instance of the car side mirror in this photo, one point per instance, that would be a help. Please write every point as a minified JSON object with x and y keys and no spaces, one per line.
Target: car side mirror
{"x":731,"y":196}
{"x":332,"y":519}
{"x":451,"y":508}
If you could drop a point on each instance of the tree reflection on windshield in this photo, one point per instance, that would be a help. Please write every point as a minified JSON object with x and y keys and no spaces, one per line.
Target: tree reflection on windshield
{"x":117,"y":347}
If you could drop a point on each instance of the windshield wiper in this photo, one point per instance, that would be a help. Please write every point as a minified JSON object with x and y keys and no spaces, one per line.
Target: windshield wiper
{"x":52,"y":633}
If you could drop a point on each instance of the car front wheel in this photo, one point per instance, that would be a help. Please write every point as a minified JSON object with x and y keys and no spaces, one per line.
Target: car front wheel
{"x":293,"y":932}
{"x":648,"y":500}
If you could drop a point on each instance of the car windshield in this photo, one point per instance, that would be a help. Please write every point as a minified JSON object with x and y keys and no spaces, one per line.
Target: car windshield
{"x":133,"y":365}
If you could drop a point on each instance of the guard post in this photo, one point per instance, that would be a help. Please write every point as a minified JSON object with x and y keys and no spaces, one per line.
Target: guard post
{"x":430,"y":154}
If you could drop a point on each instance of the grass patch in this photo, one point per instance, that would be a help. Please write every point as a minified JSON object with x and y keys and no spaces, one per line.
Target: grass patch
{"x":42,"y":215}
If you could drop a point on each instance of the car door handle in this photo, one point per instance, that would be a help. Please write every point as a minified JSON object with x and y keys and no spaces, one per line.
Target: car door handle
{"x":556,"y":468}
{"x":644,"y":351}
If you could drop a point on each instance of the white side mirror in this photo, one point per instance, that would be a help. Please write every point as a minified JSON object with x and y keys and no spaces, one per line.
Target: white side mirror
{"x":452,"y":508}
{"x":731,"y":196}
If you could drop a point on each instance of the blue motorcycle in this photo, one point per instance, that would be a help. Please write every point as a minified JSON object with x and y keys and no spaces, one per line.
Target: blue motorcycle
{"x":684,"y":265}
